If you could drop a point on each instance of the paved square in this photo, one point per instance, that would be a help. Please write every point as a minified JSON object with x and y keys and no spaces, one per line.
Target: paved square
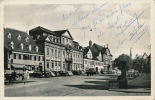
{"x":70,"y":86}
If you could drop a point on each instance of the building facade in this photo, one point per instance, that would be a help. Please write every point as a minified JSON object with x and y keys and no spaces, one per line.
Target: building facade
{"x":61,"y":52}
{"x":97,"y":57}
{"x":20,"y":51}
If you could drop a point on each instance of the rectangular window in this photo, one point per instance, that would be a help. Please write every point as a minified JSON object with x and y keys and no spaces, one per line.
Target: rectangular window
{"x":47,"y":64}
{"x":38,"y":58}
{"x":59,"y":54}
{"x":63,"y":40}
{"x":47,"y":51}
{"x":52,"y":64}
{"x":63,"y":66}
{"x":55,"y":53}
{"x":14,"y":56}
{"x":34,"y":58}
{"x":19,"y":56}
{"x":42,"y":58}
{"x":30,"y":57}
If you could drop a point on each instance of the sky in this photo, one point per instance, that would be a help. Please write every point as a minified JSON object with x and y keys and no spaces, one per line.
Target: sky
{"x":120,"y":25}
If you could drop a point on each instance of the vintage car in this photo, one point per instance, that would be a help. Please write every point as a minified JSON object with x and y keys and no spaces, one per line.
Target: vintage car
{"x":41,"y":74}
{"x":132,"y":73}
{"x":90,"y":72}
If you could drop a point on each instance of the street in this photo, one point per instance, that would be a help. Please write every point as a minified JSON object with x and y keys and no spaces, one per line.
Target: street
{"x":69,"y":86}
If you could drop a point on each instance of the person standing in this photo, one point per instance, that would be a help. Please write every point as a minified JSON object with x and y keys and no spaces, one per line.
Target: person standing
{"x":24,"y":76}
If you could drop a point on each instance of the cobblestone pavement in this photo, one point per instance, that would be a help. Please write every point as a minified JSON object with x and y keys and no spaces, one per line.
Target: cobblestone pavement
{"x":68,"y":86}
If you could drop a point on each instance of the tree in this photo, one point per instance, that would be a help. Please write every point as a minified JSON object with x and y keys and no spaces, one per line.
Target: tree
{"x":142,"y":65}
{"x":123,"y":62}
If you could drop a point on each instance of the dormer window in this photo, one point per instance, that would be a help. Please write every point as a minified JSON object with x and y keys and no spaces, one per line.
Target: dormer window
{"x":19,"y":37}
{"x":9,"y":35}
{"x":27,"y":39}
{"x":51,"y":38}
{"x":38,"y":36}
{"x":29,"y":47}
{"x":21,"y":46}
{"x":11,"y":44}
{"x":36,"y":48}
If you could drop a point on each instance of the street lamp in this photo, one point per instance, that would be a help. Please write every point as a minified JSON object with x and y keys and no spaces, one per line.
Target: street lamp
{"x":9,"y":53}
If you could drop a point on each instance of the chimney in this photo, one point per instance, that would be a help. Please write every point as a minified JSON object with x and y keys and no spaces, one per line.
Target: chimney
{"x":107,"y":45}
{"x":90,"y":43}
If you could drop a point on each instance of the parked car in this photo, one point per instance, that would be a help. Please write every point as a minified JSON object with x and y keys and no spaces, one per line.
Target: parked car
{"x":37,"y":74}
{"x":90,"y":72}
{"x":69,"y":73}
{"x":56,"y":73}
{"x":132,"y":73}
{"x":41,"y":74}
{"x":62,"y":73}
{"x":76,"y":72}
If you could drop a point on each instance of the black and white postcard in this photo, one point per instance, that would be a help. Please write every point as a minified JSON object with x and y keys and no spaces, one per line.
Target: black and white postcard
{"x":86,"y":49}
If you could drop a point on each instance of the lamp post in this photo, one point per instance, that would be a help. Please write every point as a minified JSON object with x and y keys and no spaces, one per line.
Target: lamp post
{"x":9,"y":53}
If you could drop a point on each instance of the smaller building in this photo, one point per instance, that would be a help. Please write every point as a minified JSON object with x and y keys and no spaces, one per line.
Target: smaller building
{"x":97,"y":57}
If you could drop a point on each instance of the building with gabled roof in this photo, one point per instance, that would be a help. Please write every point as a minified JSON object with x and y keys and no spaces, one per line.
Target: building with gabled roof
{"x":60,"y":51}
{"x":97,"y":57}
{"x":20,"y":51}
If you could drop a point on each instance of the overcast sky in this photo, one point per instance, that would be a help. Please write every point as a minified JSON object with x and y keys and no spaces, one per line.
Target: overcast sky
{"x":121,"y":26}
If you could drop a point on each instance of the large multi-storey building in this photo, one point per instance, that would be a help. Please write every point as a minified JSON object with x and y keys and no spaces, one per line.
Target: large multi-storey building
{"x":97,"y":57}
{"x":59,"y":50}
{"x":20,"y":51}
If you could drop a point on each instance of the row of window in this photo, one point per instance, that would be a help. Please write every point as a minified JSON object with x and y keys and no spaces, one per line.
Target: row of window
{"x":57,"y":63}
{"x":93,"y":63}
{"x":18,"y":37}
{"x":27,"y":57}
{"x":21,"y":46}
{"x":56,"y":53}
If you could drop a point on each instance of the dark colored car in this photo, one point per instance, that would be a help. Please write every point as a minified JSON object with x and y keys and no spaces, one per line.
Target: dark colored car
{"x":37,"y":74}
{"x":76,"y":72}
{"x":62,"y":73}
{"x":41,"y":74}
{"x":91,"y":72}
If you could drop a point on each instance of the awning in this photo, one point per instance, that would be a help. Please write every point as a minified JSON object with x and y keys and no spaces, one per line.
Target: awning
{"x":18,"y":66}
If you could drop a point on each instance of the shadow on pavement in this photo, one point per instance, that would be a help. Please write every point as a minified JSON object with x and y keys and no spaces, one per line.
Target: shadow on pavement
{"x":107,"y":79}
{"x":99,"y":85}
{"x":92,"y":87}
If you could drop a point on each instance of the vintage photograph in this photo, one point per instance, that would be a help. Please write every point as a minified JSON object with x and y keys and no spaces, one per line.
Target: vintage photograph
{"x":89,"y":49}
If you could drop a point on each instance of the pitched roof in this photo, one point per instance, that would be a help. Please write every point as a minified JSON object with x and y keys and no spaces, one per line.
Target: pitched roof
{"x":96,"y":50}
{"x":14,"y":33}
{"x":39,"y":28}
{"x":61,"y":32}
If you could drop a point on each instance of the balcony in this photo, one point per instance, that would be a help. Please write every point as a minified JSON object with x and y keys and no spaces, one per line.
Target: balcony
{"x":69,"y":60}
